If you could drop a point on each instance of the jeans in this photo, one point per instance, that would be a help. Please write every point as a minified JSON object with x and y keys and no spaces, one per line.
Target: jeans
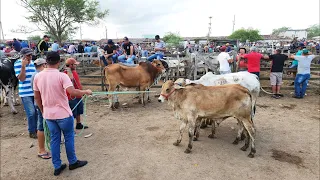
{"x":301,"y":80}
{"x":113,"y":57}
{"x":31,"y":112}
{"x":144,"y":53}
{"x":55,"y":127}
{"x":40,"y":119}
{"x":122,"y":59}
{"x":155,"y":56}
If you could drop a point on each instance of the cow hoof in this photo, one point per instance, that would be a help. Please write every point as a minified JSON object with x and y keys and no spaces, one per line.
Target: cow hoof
{"x":211,"y":136}
{"x":187,"y":151}
{"x":195,"y":139}
{"x":244,"y":148}
{"x":176,"y":144}
{"x":235,"y":142}
{"x":116,"y":105}
{"x":250,"y":155}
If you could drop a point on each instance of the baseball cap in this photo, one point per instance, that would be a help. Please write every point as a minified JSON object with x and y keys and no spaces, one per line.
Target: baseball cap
{"x":227,"y":44}
{"x":110,"y":41}
{"x":46,"y":36}
{"x":126,"y":39}
{"x":70,"y":61}
{"x":26,"y":51}
{"x":301,"y":45}
{"x":223,"y":48}
{"x":40,"y":61}
{"x":305,"y":51}
{"x":157,"y":37}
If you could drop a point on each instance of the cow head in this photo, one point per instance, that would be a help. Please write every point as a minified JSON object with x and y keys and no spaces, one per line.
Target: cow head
{"x":160,"y":65}
{"x":169,"y":87}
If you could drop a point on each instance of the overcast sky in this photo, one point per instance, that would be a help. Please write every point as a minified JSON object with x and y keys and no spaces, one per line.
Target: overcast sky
{"x":135,"y":18}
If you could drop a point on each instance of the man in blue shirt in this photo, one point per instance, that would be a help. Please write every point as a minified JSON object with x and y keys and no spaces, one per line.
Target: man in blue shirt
{"x":16,"y":45}
{"x":24,"y":44}
{"x":24,"y":69}
{"x":55,"y":46}
{"x":159,"y":47}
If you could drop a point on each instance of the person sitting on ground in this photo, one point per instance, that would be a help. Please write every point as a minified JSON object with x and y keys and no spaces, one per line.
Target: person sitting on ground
{"x":303,"y":74}
{"x":278,"y":60}
{"x":159,"y":48}
{"x":50,"y":88}
{"x":224,"y":59}
{"x":71,"y":65}
{"x":110,"y":53}
{"x":253,"y":61}
{"x":242,"y":62}
{"x":40,"y":64}
{"x":129,"y":54}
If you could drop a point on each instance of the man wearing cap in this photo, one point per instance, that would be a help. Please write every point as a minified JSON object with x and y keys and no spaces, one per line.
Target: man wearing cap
{"x":224,"y":60}
{"x":110,"y":53}
{"x":40,"y":65}
{"x":253,"y":61}
{"x":71,"y":65}
{"x":303,"y":73}
{"x":129,"y":54}
{"x":159,"y":48}
{"x":43,"y":44}
{"x":294,"y":64}
{"x":50,"y":88}
{"x":24,"y":69}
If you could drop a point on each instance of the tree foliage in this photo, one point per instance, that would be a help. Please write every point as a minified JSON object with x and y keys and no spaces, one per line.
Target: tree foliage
{"x":246,"y":34}
{"x":277,"y":31}
{"x":313,"y":31}
{"x":58,"y":17}
{"x":172,"y":39}
{"x":34,"y":38}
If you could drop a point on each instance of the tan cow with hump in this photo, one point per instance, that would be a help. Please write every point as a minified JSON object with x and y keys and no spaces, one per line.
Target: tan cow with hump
{"x":194,"y":102}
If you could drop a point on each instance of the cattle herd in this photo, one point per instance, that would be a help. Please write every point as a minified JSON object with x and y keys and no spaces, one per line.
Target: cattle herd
{"x":212,"y":97}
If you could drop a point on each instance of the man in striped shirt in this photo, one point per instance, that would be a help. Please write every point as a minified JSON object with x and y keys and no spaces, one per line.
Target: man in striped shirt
{"x":24,"y":69}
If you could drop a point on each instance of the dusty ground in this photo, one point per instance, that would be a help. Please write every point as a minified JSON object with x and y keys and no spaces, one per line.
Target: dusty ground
{"x":136,"y":143}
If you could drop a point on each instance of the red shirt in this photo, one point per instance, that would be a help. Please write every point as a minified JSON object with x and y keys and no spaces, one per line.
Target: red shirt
{"x":76,"y":83}
{"x":253,"y":61}
{"x":242,"y":63}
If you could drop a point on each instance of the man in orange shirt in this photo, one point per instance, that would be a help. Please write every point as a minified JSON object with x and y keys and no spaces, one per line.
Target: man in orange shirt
{"x":71,"y":65}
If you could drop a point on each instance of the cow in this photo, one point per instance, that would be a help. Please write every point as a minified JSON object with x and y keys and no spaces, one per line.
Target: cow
{"x":8,"y":81}
{"x":141,"y":76}
{"x":194,"y":102}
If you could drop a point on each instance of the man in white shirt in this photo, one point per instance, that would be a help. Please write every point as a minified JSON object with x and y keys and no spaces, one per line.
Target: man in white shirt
{"x":224,"y":60}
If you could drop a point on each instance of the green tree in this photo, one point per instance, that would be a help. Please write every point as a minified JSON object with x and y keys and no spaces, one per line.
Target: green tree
{"x":34,"y":38}
{"x":172,"y":39}
{"x":246,"y":34}
{"x":313,"y":31}
{"x":59,"y":17}
{"x":277,"y":31}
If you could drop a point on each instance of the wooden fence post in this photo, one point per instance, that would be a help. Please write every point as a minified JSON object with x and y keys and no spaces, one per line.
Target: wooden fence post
{"x":195,"y":67}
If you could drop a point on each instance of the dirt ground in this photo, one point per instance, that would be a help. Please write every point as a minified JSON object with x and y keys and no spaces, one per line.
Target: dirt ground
{"x":136,"y":143}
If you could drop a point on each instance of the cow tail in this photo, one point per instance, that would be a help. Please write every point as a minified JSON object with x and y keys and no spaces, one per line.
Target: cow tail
{"x":253,"y":107}
{"x":104,"y":78}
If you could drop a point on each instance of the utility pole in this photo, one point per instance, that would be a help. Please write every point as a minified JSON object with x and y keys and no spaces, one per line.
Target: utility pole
{"x":209,"y":29}
{"x":1,"y":29}
{"x":233,"y":22}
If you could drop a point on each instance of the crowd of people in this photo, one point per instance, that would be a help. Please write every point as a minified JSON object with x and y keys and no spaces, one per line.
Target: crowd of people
{"x":251,"y":62}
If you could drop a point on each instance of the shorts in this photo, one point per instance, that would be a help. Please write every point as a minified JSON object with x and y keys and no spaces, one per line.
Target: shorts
{"x":79,"y":109}
{"x":40,"y":119}
{"x":275,"y":78}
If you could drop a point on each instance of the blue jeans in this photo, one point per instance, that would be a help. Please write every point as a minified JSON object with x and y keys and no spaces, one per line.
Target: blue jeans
{"x":155,"y":56}
{"x":144,"y":53}
{"x":55,"y":127}
{"x":40,"y":119}
{"x":31,"y":112}
{"x":122,"y":59}
{"x":301,"y":80}
{"x":113,"y":57}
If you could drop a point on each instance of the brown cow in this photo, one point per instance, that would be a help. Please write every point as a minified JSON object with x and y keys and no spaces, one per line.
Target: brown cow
{"x":192,"y":103}
{"x":141,"y":76}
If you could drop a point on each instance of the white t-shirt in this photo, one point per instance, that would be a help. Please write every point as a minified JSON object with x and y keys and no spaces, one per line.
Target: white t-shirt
{"x":223,"y":58}
{"x":304,"y":63}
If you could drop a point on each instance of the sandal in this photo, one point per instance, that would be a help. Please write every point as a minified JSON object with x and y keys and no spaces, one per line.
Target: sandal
{"x":44,"y":156}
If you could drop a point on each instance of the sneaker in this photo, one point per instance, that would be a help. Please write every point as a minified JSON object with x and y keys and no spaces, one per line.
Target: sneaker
{"x":77,"y":164}
{"x":80,"y":126}
{"x":59,"y":170}
{"x":33,"y":135}
{"x":275,"y":96}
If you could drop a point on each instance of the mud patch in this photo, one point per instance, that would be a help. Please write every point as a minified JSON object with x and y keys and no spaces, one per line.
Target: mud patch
{"x":262,"y":106}
{"x":152,"y":128}
{"x":286,"y":157}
